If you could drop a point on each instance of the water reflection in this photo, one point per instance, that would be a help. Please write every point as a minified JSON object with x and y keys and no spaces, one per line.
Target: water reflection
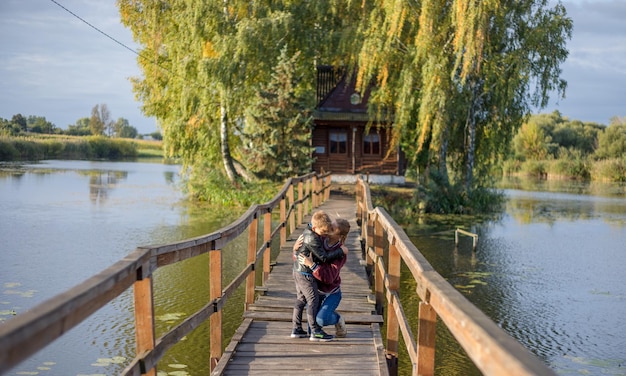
{"x":101,"y":182}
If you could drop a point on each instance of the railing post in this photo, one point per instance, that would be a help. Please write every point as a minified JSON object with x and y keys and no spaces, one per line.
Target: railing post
{"x":144,"y":318}
{"x":267,"y":233}
{"x":215,"y":321}
{"x":283,"y":220}
{"x":252,"y":247}
{"x":426,"y":334}
{"x":314,"y":193}
{"x":378,"y":279}
{"x":327,"y":191}
{"x":369,"y":237}
{"x":393,"y":327}
{"x":292,"y":217}
{"x":300,"y":195}
{"x":307,"y":192}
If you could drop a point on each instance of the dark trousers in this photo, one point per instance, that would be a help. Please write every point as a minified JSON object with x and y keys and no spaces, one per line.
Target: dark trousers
{"x":306,"y":295}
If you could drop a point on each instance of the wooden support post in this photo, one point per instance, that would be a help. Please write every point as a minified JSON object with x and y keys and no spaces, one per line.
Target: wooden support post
{"x":307,"y":192}
{"x":292,"y":217}
{"x":426,"y":335}
{"x":300,"y":195}
{"x":314,"y":197}
{"x":393,"y":327}
{"x":283,"y":220}
{"x":215,"y":321}
{"x":379,"y":278}
{"x":144,"y":318}
{"x":327,"y":191}
{"x":267,"y":233}
{"x":252,"y":247}
{"x":369,"y":237}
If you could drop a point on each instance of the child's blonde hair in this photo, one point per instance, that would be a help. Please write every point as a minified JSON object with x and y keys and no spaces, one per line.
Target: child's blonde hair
{"x":321,"y":221}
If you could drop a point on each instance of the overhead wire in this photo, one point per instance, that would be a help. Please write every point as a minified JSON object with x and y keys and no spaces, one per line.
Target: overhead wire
{"x":113,"y":39}
{"x":96,"y":29}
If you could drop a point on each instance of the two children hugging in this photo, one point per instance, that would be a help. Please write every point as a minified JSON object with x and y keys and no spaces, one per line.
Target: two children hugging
{"x":319,"y":255}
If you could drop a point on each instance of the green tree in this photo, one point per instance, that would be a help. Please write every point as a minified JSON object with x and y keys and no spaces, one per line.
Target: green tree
{"x":278,"y":129}
{"x":39,"y":124}
{"x":123,"y":129}
{"x":20,"y":122}
{"x":100,"y":122}
{"x":204,"y":61}
{"x":81,"y":128}
{"x":531,"y":142}
{"x":156,"y":136}
{"x":461,"y":76}
{"x":612,"y":142}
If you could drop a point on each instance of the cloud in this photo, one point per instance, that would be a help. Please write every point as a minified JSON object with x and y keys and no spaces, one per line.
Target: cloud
{"x":596,"y":67}
{"x":52,"y":64}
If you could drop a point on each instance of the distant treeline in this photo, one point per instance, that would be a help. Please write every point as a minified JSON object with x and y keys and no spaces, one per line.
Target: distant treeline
{"x":552,"y":146}
{"x":99,"y":124}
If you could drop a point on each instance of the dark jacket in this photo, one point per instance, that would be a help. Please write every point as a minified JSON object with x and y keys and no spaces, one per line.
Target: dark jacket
{"x":314,"y":244}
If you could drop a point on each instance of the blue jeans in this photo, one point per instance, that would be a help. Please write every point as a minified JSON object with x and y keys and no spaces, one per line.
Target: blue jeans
{"x":326,"y":315}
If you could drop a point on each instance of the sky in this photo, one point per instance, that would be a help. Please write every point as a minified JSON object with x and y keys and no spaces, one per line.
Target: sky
{"x":54,"y":65}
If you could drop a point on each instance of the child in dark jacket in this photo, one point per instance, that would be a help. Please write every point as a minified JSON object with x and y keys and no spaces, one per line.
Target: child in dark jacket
{"x":329,"y":280}
{"x":307,"y":293}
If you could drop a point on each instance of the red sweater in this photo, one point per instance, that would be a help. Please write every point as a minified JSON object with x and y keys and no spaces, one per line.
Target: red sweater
{"x":328,"y":273}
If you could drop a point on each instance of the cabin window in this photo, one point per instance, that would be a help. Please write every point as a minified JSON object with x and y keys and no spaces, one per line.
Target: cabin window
{"x":338,"y":142}
{"x":371,"y":143}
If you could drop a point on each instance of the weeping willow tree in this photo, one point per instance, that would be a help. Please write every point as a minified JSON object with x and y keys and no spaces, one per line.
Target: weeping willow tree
{"x":461,"y":75}
{"x":204,"y":61}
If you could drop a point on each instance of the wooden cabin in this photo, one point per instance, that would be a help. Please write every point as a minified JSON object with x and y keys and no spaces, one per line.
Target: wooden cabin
{"x":341,"y":144}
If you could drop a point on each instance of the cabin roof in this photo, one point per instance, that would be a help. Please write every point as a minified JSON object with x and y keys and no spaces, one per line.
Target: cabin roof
{"x":340,"y":105}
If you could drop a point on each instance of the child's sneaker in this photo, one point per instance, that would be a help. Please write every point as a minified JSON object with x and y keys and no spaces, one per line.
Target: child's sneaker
{"x":299,"y":333}
{"x":340,"y":328}
{"x":320,"y":336}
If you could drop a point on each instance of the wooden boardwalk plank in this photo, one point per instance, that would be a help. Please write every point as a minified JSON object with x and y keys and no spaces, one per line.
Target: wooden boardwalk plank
{"x":262,"y":344}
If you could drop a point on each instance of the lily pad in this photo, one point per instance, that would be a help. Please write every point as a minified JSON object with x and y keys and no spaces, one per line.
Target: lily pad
{"x":168,"y":317}
{"x":177,"y":365}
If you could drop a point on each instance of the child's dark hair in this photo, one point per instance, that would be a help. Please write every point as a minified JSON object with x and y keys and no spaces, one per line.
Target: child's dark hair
{"x":343,"y":228}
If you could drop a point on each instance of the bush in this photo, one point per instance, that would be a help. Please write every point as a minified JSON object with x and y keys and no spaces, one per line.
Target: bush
{"x":613,"y":170}
{"x":207,"y":183}
{"x":535,"y":168}
{"x":8,"y":152}
{"x":441,"y":197}
{"x":511,"y":166}
{"x":571,"y":164}
{"x":113,"y":149}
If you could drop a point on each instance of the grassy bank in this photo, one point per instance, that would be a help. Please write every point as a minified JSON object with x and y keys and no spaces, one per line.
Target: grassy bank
{"x":40,"y":147}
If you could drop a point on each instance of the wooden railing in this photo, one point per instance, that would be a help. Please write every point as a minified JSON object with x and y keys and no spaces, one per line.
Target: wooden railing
{"x":387,"y":246}
{"x":27,"y":333}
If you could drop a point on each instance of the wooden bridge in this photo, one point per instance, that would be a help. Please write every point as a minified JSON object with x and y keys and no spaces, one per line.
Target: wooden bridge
{"x":262,"y":344}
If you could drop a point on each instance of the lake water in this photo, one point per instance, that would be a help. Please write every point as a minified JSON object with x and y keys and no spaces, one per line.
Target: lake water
{"x":550,"y":270}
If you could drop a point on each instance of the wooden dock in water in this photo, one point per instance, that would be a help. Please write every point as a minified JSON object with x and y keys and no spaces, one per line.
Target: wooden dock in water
{"x":262,"y":344}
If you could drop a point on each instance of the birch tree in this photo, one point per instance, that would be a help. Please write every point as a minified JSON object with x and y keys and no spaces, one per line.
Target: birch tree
{"x":204,"y":61}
